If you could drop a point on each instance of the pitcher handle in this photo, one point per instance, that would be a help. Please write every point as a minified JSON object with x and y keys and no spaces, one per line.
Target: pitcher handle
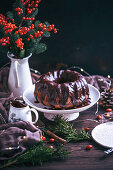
{"x":17,"y":83}
{"x":36,"y":114}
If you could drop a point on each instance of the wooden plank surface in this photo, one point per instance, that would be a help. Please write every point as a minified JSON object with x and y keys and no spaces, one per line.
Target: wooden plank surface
{"x":80,"y":158}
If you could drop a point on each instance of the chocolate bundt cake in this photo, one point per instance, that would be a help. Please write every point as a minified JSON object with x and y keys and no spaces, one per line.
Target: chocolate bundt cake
{"x":62,"y":89}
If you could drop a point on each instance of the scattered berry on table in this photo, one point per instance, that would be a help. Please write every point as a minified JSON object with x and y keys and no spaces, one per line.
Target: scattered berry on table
{"x":99,"y":117}
{"x":50,"y":146}
{"x":86,"y":129}
{"x":51,"y":140}
{"x":109,"y":110}
{"x":88,"y":147}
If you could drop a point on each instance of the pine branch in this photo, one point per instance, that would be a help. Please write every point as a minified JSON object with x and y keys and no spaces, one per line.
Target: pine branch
{"x":8,"y":164}
{"x":65,"y":130}
{"x":39,"y":154}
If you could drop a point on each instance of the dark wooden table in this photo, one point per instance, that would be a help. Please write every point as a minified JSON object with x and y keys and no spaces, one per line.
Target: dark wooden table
{"x":80,"y":158}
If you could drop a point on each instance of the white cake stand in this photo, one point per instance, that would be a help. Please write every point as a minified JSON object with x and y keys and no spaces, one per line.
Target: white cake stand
{"x":70,"y":114}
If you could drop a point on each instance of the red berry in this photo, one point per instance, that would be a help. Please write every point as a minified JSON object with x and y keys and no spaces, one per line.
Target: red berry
{"x":43,"y":138}
{"x":51,"y":140}
{"x":44,"y":29}
{"x":32,"y":26}
{"x":51,"y":146}
{"x":44,"y":26}
{"x":12,"y":20}
{"x":29,"y":5}
{"x":18,"y":13}
{"x":16,"y":32}
{"x":55,"y":31}
{"x":21,"y":33}
{"x":29,"y":12}
{"x":27,"y":18}
{"x":3,"y":40}
{"x":31,"y":36}
{"x":88,"y":147}
{"x":33,"y":19}
{"x":109,"y":110}
{"x":23,"y":18}
{"x":36,"y":5}
{"x":53,"y":26}
{"x":28,"y":39}
{"x":99,"y":117}
{"x":35,"y":34}
{"x":86,"y":129}
{"x":20,"y":10}
{"x":7,"y":38}
{"x":40,"y":25}
{"x":41,"y":32}
{"x":4,"y":43}
{"x":39,"y":35}
{"x":50,"y":28}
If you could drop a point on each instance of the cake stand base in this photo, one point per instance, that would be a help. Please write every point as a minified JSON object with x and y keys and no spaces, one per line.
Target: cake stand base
{"x":68,"y":117}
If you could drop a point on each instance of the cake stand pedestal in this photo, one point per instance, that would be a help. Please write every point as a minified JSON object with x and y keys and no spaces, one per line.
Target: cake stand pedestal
{"x":68,"y":117}
{"x":49,"y":113}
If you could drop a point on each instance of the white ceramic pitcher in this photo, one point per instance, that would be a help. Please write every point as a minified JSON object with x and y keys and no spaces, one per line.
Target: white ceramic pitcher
{"x":22,"y":114}
{"x":19,"y":75}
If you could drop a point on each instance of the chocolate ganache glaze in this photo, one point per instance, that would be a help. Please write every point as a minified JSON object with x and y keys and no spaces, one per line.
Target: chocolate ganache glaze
{"x":63,"y":89}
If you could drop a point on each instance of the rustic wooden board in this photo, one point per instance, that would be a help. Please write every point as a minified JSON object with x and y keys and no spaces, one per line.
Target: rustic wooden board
{"x":80,"y":158}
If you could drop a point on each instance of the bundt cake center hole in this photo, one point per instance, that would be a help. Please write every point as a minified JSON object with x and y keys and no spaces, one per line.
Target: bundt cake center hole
{"x":66,"y":78}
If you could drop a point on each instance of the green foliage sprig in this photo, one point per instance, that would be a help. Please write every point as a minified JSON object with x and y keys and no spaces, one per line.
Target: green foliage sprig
{"x":38,"y":154}
{"x":41,"y":153}
{"x":65,"y":130}
{"x":20,"y":32}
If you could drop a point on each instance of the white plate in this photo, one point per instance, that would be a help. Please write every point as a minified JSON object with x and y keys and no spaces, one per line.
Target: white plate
{"x":29,"y":98}
{"x":103,"y":134}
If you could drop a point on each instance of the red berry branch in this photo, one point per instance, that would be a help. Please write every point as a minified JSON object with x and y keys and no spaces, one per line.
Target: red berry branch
{"x":20,"y":32}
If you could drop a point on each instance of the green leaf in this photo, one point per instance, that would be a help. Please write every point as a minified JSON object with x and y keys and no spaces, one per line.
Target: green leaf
{"x":46,"y":23}
{"x":10,"y":15}
{"x":41,"y":47}
{"x":22,"y":52}
{"x":17,"y":18}
{"x":2,"y":32}
{"x":38,"y":39}
{"x":3,"y":49}
{"x":29,"y":23}
{"x":34,"y":13}
{"x":17,"y":4}
{"x":15,"y":37}
{"x":29,"y":50}
{"x":46,"y":34}
{"x":37,"y":23}
{"x":32,"y":31}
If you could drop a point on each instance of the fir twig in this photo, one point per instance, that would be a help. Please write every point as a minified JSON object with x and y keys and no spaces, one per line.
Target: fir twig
{"x":8,"y":164}
{"x":39,"y":154}
{"x":65,"y":130}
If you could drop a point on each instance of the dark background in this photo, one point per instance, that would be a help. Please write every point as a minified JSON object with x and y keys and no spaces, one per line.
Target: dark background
{"x":84,"y":39}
